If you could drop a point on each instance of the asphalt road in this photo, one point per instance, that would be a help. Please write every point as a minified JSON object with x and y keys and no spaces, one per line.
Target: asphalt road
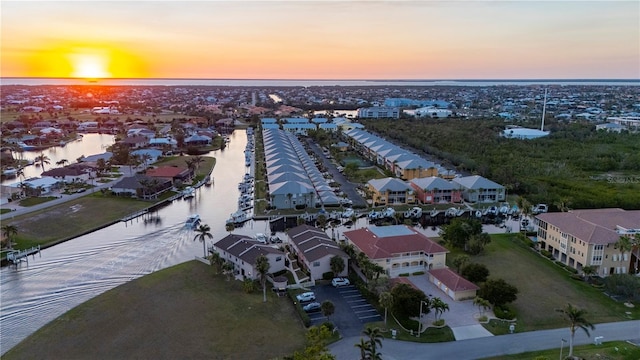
{"x":346,"y":186}
{"x":491,"y":346}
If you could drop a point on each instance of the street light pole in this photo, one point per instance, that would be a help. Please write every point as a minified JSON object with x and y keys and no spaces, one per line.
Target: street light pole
{"x":562,"y":341}
{"x":420,"y":317}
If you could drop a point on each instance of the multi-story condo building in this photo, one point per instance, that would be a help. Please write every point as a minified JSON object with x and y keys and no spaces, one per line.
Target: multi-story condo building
{"x":582,"y":238}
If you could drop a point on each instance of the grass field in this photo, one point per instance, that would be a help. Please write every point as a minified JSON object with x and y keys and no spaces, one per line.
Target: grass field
{"x":72,"y":218}
{"x":544,"y":287}
{"x":606,"y":351}
{"x":184,"y":312}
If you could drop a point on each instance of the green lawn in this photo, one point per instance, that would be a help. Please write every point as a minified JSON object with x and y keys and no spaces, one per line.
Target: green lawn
{"x":72,"y":218}
{"x":184,"y":312}
{"x":606,"y":351}
{"x":35,"y":200}
{"x":544,"y":287}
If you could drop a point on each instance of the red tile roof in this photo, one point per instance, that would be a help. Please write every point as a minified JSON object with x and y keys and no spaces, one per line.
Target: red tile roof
{"x":385,"y":247}
{"x":452,"y":280}
{"x":165,"y":171}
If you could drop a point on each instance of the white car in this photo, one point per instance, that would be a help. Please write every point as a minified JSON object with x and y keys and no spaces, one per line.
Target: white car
{"x":337,"y":282}
{"x":307,"y":296}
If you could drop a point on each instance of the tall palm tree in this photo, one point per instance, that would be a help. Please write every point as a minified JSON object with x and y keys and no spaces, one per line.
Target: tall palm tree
{"x":624,"y":244}
{"x":365,"y":348}
{"x":262,"y":267}
{"x":42,"y":159}
{"x":375,"y":339}
{"x":386,"y":300}
{"x":576,"y":319}
{"x":439,"y":306}
{"x":9,"y":231}
{"x":204,"y":233}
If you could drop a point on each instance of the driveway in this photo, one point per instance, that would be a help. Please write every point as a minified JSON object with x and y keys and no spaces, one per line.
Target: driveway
{"x":461,"y":316}
{"x":352,"y":310}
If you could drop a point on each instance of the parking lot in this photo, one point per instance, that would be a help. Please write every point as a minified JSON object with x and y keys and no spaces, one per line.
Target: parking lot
{"x":352,"y":310}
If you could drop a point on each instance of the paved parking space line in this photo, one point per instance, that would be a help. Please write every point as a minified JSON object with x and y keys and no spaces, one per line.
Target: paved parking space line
{"x":350,"y":291}
{"x":352,"y":296}
{"x":357,"y":301}
{"x":317,"y":318}
{"x":365,"y":311}
{"x":357,"y":306}
{"x":370,"y":316}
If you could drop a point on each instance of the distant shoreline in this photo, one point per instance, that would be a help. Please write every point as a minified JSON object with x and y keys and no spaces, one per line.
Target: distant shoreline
{"x":39,"y":81}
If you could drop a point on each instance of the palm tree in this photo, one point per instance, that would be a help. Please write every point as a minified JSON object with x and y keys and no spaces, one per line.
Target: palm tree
{"x":375,"y":339}
{"x":327,"y":308}
{"x":337,"y":265}
{"x":439,"y":306}
{"x":42,"y":159}
{"x":624,"y":244}
{"x":262,"y":267}
{"x":365,"y":348}
{"x":576,"y":319}
{"x":460,"y":261}
{"x":227,"y":269}
{"x":62,"y":162}
{"x":588,"y":272}
{"x":482,"y":304}
{"x":386,"y":300}
{"x":9,"y":231}
{"x":204,"y":233}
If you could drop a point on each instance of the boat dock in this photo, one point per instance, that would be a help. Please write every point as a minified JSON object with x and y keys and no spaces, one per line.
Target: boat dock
{"x":17,"y":256}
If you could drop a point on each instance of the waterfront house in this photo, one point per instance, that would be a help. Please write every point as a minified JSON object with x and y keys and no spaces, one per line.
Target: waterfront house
{"x":314,"y":250}
{"x":434,"y":190}
{"x":242,"y":251}
{"x":479,"y":189}
{"x":390,"y":191}
{"x":171,"y":173}
{"x":399,"y":249}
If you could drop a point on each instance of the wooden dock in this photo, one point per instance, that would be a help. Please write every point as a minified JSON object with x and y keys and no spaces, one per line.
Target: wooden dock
{"x":17,"y":256}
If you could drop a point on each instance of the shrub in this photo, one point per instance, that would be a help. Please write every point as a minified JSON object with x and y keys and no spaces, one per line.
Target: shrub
{"x":483,"y":318}
{"x":439,"y":322}
{"x":329,"y":325}
{"x":418,"y":273}
{"x":504,"y":312}
{"x":327,"y":276}
{"x":403,"y":274}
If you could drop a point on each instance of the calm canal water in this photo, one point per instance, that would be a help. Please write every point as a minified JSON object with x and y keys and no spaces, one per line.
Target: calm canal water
{"x":75,"y":271}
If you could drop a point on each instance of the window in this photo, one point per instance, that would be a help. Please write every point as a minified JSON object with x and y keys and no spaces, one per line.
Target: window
{"x":316,"y":263}
{"x":279,"y":258}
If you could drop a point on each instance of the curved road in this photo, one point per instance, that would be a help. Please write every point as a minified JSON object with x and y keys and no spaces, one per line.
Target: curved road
{"x":491,"y":346}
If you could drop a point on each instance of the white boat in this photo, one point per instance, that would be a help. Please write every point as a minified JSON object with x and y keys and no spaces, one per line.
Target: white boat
{"x":415,"y":212}
{"x":348,"y":213}
{"x":451,"y":212}
{"x":192,"y":221}
{"x":388,"y":212}
{"x":238,"y":217}
{"x":10,"y":172}
{"x":539,"y":209}
{"x":188,"y":192}
{"x":208,"y":181}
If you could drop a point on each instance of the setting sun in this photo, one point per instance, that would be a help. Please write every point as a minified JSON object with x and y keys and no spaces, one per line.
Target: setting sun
{"x":89,"y":66}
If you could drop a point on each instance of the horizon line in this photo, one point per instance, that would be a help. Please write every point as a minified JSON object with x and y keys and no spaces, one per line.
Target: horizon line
{"x":311,"y":79}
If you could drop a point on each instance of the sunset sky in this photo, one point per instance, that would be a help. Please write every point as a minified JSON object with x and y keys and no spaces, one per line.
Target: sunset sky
{"x":321,"y":39}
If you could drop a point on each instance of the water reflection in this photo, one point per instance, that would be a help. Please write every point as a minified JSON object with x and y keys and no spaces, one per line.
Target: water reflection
{"x":75,"y":271}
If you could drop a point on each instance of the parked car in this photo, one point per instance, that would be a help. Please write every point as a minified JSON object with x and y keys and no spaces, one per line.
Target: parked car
{"x":337,"y":282}
{"x":307,"y":296}
{"x":311,"y":307}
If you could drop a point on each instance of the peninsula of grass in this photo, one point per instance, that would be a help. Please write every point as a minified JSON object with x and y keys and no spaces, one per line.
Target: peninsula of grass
{"x":183,"y":312}
{"x":544,"y":287}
